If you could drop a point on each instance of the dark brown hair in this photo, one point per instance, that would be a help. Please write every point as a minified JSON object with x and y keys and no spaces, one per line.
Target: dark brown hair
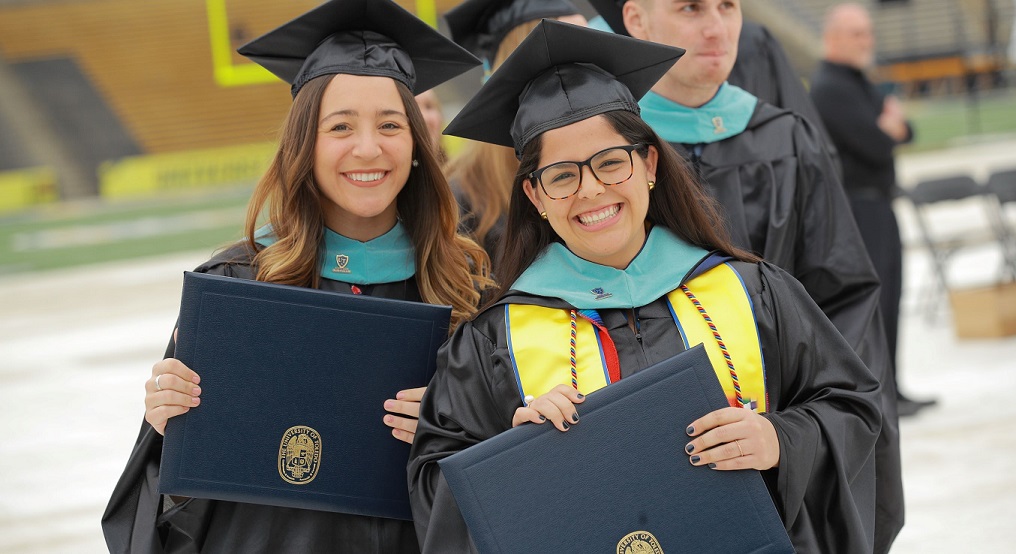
{"x":678,"y":203}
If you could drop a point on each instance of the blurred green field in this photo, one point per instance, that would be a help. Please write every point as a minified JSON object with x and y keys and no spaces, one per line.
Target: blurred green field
{"x":942,"y":122}
{"x":70,"y":234}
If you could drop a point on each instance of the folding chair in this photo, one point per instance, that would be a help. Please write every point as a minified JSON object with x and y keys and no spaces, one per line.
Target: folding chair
{"x":928,"y":196}
{"x":1002,"y":184}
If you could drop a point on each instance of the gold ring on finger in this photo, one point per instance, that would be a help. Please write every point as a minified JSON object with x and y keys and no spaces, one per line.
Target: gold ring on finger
{"x":741,"y":452}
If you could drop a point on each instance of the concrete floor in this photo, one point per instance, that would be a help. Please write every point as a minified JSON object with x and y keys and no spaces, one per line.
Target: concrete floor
{"x":76,"y":348}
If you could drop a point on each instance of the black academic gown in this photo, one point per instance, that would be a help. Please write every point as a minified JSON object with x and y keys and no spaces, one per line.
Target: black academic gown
{"x":135,"y":520}
{"x":781,"y":198}
{"x":824,"y":406}
{"x":850,"y":106}
{"x":762,"y":68}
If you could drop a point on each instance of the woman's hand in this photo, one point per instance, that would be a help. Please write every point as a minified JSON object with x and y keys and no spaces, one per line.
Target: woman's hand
{"x":733,"y":438}
{"x":406,"y":402}
{"x":172,"y":390}
{"x":558,"y":406}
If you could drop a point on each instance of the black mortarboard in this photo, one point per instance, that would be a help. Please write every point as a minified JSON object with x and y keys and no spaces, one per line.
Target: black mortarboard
{"x":561,"y":74}
{"x":359,"y":37}
{"x":610,"y":11}
{"x":480,"y":25}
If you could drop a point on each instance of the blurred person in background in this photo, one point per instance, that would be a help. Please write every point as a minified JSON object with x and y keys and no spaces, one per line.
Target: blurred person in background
{"x":777,"y":187}
{"x":481,"y":176}
{"x":355,"y":177}
{"x":866,"y":125}
{"x":433,"y":116}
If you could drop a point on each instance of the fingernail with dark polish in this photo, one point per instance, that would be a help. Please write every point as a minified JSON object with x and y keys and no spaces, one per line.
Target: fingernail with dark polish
{"x":690,"y":430}
{"x":712,"y":465}
{"x":565,"y":425}
{"x":690,"y":448}
{"x":575,"y":418}
{"x":695,"y":459}
{"x":581,"y":396}
{"x":543,"y":417}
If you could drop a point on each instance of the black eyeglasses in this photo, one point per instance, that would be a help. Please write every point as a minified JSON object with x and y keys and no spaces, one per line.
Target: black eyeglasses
{"x":611,"y":166}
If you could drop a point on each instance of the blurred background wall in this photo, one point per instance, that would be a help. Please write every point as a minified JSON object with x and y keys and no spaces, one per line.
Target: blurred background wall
{"x":125,"y":121}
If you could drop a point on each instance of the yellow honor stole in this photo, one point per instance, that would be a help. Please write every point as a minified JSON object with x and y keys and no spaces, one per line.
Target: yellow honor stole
{"x":712,"y":309}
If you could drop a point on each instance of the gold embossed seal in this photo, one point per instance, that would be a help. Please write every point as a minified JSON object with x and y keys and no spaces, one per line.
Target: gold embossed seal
{"x":639,"y":542}
{"x":299,"y":455}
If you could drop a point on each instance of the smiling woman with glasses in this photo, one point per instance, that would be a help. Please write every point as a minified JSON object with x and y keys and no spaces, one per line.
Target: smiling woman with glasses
{"x":610,"y":166}
{"x":618,"y":262}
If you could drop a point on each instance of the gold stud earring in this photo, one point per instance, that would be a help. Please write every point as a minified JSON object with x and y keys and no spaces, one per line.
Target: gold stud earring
{"x":652,"y":184}
{"x":543,"y":215}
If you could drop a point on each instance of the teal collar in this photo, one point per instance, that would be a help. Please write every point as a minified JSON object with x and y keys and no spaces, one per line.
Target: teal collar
{"x":386,"y":259}
{"x":558,"y":273}
{"x":725,"y":116}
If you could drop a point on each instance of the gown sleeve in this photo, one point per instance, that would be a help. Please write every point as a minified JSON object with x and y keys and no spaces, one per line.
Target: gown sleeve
{"x":834,"y":267}
{"x":831,"y":261}
{"x":468,"y":401}
{"x":827,"y":418}
{"x":133,"y":521}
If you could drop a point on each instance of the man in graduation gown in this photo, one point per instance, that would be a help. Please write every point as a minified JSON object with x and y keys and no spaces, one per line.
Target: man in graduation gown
{"x":777,"y":186}
{"x":866,"y":125}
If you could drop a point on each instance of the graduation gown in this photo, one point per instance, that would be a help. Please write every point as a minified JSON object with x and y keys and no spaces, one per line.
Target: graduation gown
{"x":850,"y":105}
{"x":823,"y":403}
{"x":780,"y":196}
{"x":136,"y":521}
{"x":762,"y":68}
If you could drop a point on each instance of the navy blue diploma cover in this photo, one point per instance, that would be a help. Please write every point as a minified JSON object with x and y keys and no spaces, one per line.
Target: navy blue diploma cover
{"x":618,"y":481}
{"x":293,"y":387}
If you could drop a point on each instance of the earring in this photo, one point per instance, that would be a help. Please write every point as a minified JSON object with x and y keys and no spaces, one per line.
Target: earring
{"x":416,"y":163}
{"x":652,"y":184}
{"x":543,"y":215}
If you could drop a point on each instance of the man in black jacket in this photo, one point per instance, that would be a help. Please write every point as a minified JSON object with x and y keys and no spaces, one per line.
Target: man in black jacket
{"x":866,"y":125}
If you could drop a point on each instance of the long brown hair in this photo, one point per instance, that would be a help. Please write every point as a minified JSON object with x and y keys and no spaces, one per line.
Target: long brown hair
{"x":678,"y":203}
{"x":450,"y":269}
{"x":483,"y":171}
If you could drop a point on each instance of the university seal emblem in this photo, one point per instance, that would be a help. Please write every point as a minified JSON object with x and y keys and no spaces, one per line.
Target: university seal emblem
{"x":299,"y":455}
{"x":600,"y":293}
{"x":639,"y":542}
{"x":341,"y":261}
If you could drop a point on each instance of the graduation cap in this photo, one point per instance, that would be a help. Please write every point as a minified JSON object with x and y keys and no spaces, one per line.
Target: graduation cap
{"x":559,"y":75}
{"x":359,"y":37}
{"x":480,"y":25}
{"x":610,"y":11}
